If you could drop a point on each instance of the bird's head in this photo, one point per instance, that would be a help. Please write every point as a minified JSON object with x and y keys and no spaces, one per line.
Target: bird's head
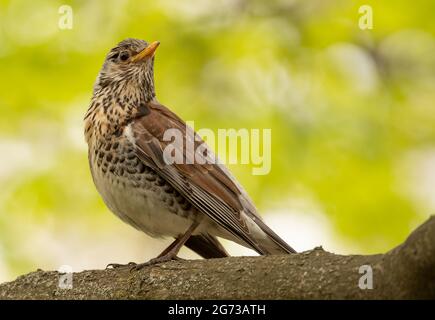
{"x":130,"y":63}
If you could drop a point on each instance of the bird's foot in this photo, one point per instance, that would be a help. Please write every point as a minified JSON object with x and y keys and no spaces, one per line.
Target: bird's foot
{"x":158,"y":260}
{"x":120,"y":265}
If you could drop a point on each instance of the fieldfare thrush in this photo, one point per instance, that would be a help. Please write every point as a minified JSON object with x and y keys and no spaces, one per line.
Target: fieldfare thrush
{"x":192,"y":202}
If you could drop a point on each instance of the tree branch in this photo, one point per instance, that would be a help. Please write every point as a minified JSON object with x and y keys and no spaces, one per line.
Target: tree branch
{"x":408,"y":271}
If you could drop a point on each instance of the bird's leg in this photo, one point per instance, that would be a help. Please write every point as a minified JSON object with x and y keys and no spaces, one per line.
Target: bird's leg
{"x":130,"y":264}
{"x":169,"y":248}
{"x":161,"y":255}
{"x":170,"y":253}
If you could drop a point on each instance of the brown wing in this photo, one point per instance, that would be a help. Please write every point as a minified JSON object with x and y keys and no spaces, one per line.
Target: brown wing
{"x":207,"y":185}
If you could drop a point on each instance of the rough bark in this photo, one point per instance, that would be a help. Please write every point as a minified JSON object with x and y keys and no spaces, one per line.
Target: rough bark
{"x":407,"y":271}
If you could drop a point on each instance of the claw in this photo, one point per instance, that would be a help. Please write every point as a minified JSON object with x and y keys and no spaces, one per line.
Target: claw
{"x":155,"y":261}
{"x":119,"y":265}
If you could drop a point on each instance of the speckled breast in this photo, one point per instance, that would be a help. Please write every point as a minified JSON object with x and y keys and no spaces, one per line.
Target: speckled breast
{"x":134,"y":192}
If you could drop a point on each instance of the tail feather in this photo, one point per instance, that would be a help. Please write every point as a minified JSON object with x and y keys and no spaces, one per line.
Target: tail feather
{"x":207,"y":246}
{"x":278,"y":244}
{"x":266,"y":240}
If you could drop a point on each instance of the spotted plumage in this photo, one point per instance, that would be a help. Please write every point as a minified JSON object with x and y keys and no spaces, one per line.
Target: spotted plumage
{"x":194,"y":203}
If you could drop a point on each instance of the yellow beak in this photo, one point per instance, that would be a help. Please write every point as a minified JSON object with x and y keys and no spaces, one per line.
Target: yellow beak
{"x":148,"y":52}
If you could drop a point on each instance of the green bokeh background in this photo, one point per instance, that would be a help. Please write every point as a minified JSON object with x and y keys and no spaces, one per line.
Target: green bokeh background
{"x":352,"y":113}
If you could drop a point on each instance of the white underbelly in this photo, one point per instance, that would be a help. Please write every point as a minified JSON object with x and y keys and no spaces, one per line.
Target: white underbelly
{"x":141,"y":208}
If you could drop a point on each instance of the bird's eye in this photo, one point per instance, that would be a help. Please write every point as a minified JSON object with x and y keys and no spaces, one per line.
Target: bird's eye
{"x":124,"y":56}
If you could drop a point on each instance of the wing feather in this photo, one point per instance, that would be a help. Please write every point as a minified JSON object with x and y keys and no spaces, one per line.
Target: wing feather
{"x":207,"y":185}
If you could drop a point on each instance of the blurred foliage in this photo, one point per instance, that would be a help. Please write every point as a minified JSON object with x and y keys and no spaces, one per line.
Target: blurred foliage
{"x":352,"y":111}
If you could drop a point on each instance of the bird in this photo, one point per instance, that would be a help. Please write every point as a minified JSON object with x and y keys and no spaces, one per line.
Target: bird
{"x":194,"y":203}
